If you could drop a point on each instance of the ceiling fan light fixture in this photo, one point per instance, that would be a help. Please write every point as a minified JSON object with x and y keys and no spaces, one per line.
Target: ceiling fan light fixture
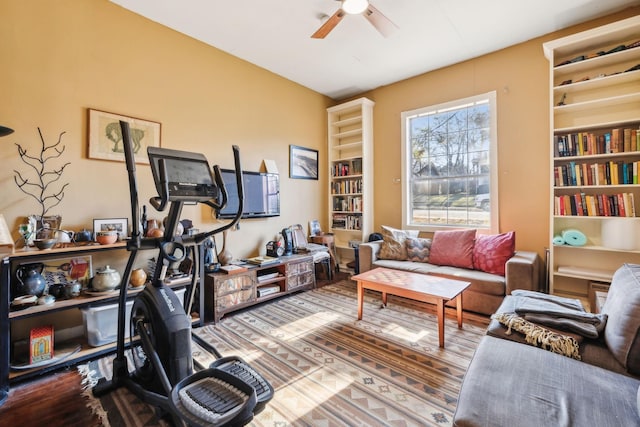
{"x":354,"y":7}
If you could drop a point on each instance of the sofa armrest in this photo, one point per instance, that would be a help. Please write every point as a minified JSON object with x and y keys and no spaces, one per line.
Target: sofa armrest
{"x":367,"y":254}
{"x":522,"y":271}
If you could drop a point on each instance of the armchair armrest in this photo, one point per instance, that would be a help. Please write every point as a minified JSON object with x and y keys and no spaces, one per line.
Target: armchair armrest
{"x":367,"y":254}
{"x":522,"y":271}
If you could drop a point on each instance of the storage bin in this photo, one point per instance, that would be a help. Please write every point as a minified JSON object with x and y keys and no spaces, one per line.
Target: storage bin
{"x":101,"y":322}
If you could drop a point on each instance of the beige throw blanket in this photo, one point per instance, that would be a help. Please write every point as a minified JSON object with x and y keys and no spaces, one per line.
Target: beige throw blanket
{"x":539,"y":336}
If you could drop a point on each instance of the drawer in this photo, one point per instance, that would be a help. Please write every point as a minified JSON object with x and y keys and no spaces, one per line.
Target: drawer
{"x":304,"y":279}
{"x":299,"y":268}
{"x":224,"y":302}
{"x":233,"y":284}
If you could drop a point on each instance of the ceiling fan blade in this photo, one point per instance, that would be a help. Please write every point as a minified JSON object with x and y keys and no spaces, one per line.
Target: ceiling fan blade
{"x":329,"y":25}
{"x":381,"y":23}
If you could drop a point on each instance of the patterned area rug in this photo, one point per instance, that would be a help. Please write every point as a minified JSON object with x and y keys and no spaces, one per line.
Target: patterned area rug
{"x":327,"y":368}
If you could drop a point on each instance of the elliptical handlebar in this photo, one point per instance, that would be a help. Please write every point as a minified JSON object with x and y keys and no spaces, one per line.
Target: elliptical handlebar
{"x":160,"y":202}
{"x":201,"y":237}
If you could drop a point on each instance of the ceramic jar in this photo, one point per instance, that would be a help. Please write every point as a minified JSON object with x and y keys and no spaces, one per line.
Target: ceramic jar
{"x":106,"y":279}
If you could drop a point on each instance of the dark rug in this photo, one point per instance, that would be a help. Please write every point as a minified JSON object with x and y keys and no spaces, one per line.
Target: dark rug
{"x":327,"y":368}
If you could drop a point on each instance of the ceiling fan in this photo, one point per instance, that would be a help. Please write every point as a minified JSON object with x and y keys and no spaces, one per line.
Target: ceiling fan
{"x":354,"y":7}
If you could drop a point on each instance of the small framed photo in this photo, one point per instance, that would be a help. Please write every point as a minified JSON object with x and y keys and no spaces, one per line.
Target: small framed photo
{"x":105,"y":136}
{"x":303,"y":162}
{"x":121,"y":225}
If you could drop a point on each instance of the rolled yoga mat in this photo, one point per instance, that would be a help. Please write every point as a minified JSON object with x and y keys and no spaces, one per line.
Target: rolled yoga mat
{"x":574,"y":237}
{"x":558,"y":240}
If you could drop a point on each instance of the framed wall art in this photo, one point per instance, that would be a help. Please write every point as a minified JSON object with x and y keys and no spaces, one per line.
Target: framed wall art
{"x":105,"y":136}
{"x":303,"y":162}
{"x":121,"y":225}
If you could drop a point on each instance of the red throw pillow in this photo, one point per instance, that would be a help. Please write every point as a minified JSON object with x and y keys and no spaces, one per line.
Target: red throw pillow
{"x":454,"y":248}
{"x":491,"y":252}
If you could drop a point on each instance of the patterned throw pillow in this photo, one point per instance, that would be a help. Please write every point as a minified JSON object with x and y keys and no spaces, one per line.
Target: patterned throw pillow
{"x":393,"y":246}
{"x":491,"y":252}
{"x":418,"y":249}
{"x":453,"y":248}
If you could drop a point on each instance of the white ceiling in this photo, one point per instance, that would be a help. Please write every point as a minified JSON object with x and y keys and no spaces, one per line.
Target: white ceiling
{"x":354,"y":57}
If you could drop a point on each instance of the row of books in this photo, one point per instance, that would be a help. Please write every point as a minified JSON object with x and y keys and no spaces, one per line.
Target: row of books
{"x":581,"y":204}
{"x":350,"y":204}
{"x":353,"y":167}
{"x":346,"y":222}
{"x":605,"y":173}
{"x":347,"y":186}
{"x":618,"y":140}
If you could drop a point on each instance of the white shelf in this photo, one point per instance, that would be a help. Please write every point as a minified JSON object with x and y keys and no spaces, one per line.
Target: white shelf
{"x":596,"y":105}
{"x":595,"y":83}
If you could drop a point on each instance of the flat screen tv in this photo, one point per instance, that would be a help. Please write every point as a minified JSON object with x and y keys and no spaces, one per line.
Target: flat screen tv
{"x":261,"y":194}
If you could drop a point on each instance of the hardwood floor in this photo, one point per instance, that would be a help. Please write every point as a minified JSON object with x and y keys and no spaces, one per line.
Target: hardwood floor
{"x":55,"y":400}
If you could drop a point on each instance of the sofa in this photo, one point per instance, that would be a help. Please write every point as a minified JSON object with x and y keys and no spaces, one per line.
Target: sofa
{"x":490,"y":263}
{"x":510,"y":382}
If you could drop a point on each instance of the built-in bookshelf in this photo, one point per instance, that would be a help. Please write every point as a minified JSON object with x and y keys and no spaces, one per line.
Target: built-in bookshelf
{"x":595,"y":154}
{"x":350,"y":132}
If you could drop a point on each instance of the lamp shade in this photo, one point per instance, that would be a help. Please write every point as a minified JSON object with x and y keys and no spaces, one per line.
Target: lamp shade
{"x":354,"y":6}
{"x":4,"y":131}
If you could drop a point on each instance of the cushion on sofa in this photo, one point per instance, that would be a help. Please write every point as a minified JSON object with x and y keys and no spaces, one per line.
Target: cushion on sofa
{"x":622,"y":332}
{"x":454,"y":248}
{"x":491,"y":252}
{"x":418,"y":249}
{"x":393,"y":246}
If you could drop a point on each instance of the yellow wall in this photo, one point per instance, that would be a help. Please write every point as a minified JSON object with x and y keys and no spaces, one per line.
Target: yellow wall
{"x":61,"y":57}
{"x":520,"y":76}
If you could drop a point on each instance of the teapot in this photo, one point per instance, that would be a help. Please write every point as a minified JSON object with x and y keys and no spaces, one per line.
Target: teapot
{"x":106,"y":279}
{"x":30,"y":279}
{"x":83,"y":235}
{"x":65,"y":236}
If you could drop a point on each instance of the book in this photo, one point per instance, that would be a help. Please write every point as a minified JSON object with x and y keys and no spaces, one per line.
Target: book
{"x":233,"y":269}
{"x":40,"y":344}
{"x":263,"y":260}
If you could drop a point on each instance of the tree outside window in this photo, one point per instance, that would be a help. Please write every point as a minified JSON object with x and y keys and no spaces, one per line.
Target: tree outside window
{"x":449,"y":165}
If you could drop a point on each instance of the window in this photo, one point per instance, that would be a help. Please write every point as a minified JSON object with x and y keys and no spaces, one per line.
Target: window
{"x":449,"y":157}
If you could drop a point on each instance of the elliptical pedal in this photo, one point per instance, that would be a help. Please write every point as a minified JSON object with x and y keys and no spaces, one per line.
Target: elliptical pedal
{"x":238,"y":368}
{"x":213,"y":397}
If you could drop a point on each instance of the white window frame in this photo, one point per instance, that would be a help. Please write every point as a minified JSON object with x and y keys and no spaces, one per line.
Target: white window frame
{"x":489,"y":97}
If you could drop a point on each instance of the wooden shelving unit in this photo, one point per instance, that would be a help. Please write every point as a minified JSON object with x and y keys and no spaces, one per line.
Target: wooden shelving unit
{"x":224,"y":293}
{"x":350,"y":134}
{"x":594,"y":89}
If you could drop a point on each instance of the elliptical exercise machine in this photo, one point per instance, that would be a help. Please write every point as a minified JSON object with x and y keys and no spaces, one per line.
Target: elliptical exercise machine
{"x":229,"y":392}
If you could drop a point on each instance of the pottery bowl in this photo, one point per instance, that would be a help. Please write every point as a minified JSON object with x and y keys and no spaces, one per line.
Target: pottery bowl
{"x":106,"y":237}
{"x":44,"y":243}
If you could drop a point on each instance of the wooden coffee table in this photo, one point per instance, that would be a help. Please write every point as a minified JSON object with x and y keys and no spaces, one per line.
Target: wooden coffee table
{"x":416,"y":286}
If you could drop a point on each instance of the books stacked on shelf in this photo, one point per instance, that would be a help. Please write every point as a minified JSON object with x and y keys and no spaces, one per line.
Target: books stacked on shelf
{"x":347,"y":222}
{"x":581,"y":204}
{"x":339,"y":221}
{"x":618,"y":140}
{"x":356,"y":166}
{"x":347,"y":186}
{"x":263,"y":260}
{"x":340,"y":169}
{"x":349,"y":204}
{"x":606,"y":173}
{"x":267,"y":276}
{"x":263,"y":291}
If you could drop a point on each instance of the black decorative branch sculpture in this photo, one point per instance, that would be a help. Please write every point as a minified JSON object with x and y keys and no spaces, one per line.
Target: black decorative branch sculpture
{"x":41,"y":187}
